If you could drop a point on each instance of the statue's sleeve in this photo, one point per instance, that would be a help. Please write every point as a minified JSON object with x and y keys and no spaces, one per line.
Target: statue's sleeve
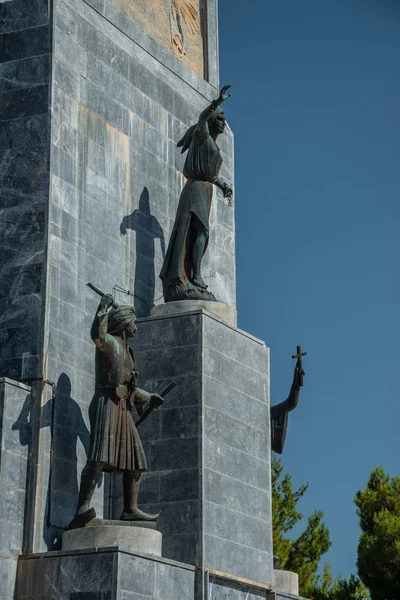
{"x":202,"y":124}
{"x":103,"y":340}
{"x":141,"y":400}
{"x":279,"y":420}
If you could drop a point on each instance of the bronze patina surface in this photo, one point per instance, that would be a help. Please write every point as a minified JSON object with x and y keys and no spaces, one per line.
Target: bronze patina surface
{"x":181,"y":271}
{"x":280,"y":412}
{"x":114,"y":440}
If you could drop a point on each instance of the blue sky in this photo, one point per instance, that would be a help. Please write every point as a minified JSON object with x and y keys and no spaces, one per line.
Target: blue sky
{"x":315,"y":109}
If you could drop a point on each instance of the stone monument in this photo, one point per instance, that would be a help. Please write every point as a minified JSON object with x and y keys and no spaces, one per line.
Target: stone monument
{"x":95,"y":95}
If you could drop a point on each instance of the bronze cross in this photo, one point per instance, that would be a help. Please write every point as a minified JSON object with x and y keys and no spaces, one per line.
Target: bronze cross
{"x":299,"y":362}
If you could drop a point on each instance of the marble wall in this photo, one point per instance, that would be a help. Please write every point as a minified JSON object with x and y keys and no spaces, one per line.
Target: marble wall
{"x":25,"y":68}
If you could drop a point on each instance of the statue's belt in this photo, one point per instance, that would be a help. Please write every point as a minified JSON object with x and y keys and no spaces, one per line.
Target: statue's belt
{"x":122,"y":391}
{"x":208,"y":179}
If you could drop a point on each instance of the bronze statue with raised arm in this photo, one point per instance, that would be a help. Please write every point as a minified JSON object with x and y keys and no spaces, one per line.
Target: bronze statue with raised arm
{"x":280,"y":412}
{"x":114,"y":440}
{"x":181,"y":271}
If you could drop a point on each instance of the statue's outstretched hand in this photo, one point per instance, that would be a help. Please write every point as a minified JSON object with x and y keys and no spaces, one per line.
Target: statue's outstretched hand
{"x":156,"y":401}
{"x":223,"y":95}
{"x":298,"y":373}
{"x":228,"y":192}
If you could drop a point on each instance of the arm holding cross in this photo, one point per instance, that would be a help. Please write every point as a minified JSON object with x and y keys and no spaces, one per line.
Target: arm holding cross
{"x":294,"y":394}
{"x":280,"y":412}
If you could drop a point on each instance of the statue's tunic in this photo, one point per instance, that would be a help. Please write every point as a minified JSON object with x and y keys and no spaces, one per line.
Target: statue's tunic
{"x":201,"y":169}
{"x":114,"y":440}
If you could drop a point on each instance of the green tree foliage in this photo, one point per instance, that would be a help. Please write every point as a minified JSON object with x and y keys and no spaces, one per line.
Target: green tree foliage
{"x":328,"y":588}
{"x":378,"y":507}
{"x":303,"y":554}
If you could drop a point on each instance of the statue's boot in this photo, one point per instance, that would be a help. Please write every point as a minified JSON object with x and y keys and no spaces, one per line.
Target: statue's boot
{"x":198,"y":281}
{"x":131,"y":512}
{"x":84,"y":513}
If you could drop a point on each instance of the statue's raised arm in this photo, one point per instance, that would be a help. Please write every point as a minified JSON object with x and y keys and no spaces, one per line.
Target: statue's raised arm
{"x":280,"y":412}
{"x":181,"y":271}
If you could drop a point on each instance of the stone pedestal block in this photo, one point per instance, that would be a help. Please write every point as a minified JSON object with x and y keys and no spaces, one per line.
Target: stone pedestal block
{"x":103,"y":534}
{"x":222,"y":311}
{"x":208,"y":447}
{"x":102,"y":574}
{"x":286,"y":581}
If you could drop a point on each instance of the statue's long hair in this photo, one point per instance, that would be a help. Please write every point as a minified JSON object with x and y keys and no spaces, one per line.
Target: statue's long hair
{"x":185,"y":142}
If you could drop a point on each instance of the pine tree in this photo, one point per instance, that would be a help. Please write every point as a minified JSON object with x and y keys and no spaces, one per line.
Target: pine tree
{"x":379,"y":545}
{"x":303,"y":554}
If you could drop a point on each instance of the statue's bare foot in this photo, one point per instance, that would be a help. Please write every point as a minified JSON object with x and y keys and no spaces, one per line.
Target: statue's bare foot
{"x":81,"y":519}
{"x":199,"y":282}
{"x":137,"y":515}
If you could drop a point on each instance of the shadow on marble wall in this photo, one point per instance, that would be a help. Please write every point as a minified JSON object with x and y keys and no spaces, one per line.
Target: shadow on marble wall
{"x":66,"y":426}
{"x":148,"y":230}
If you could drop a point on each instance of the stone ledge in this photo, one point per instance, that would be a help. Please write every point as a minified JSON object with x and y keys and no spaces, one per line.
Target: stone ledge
{"x":18,"y":384}
{"x":106,"y":550}
{"x":200,"y":311}
{"x":223,"y":312}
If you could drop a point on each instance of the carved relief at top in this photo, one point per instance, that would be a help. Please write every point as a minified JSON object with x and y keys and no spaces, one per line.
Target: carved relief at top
{"x":176,"y":24}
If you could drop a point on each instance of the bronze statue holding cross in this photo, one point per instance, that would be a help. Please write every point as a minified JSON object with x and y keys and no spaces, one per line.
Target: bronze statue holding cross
{"x":280,"y":412}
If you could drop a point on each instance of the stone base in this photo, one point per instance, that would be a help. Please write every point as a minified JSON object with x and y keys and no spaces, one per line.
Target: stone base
{"x":102,"y":574}
{"x":225,"y":312}
{"x":286,"y":581}
{"x":140,"y":536}
{"x":118,"y":573}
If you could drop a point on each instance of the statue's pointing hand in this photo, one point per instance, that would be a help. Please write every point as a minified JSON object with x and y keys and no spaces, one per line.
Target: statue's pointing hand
{"x":223,"y":95}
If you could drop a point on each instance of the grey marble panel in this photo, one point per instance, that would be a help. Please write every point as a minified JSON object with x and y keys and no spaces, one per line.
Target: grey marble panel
{"x":24,"y":73}
{"x":237,"y":464}
{"x":17,"y":15}
{"x":238,"y":559}
{"x":136,"y":575}
{"x":168,"y":333}
{"x":173,"y":582}
{"x":24,"y":42}
{"x":237,"y":495}
{"x":183,"y":547}
{"x":237,"y":345}
{"x":220,"y":367}
{"x":239,"y":406}
{"x":225,"y":590}
{"x":86,"y":573}
{"x":174,"y":454}
{"x":37,"y":578}
{"x":236,"y":527}
{"x":237,"y":435}
{"x":15,"y":104}
{"x":8,"y":570}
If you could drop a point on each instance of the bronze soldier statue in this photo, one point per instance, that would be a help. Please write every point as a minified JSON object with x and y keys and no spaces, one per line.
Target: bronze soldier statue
{"x":280,"y":412}
{"x":114,"y":440}
{"x":181,"y":271}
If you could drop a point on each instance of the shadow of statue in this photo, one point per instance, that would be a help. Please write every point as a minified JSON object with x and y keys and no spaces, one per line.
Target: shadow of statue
{"x":147,"y":230}
{"x":63,"y":416}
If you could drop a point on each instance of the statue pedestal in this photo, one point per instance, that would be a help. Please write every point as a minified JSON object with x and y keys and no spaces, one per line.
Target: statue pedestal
{"x":225,"y":312}
{"x":208,"y":446}
{"x":102,"y":574}
{"x":286,"y":581}
{"x":140,"y":536}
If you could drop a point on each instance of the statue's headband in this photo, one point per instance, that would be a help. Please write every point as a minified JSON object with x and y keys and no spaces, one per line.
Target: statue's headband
{"x":119,"y":318}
